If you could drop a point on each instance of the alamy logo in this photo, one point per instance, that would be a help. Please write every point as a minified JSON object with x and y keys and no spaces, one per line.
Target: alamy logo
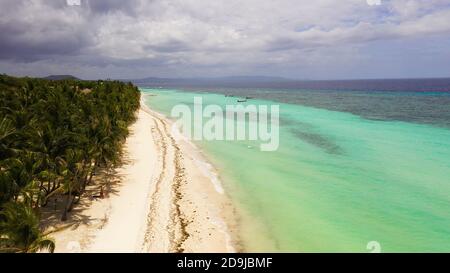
{"x":234,"y":123}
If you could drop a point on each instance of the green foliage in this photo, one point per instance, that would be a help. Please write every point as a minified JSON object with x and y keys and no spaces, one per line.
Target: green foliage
{"x":20,"y":231}
{"x":53,"y":136}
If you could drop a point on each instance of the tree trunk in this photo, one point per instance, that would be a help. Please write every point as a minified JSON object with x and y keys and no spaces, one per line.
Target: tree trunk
{"x":38,"y":200}
{"x":75,"y":200}
{"x":92,"y":173}
{"x":49,"y":186}
{"x":66,"y":206}
{"x":85,"y":173}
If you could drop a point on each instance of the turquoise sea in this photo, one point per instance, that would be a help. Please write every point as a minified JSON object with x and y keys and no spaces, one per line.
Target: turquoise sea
{"x":356,"y":168}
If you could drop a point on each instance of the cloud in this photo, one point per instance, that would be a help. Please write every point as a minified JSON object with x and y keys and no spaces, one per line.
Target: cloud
{"x":187,"y":37}
{"x":111,"y":6}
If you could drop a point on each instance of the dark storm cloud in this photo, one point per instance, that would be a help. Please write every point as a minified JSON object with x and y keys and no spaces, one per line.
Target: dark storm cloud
{"x":19,"y":44}
{"x":21,"y":51}
{"x":33,"y":30}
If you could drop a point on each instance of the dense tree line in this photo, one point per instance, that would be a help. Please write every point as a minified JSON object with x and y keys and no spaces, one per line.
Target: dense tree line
{"x":54,"y":135}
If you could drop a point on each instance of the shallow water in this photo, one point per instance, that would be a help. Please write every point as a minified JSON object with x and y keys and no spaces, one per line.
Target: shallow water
{"x":340,"y":179}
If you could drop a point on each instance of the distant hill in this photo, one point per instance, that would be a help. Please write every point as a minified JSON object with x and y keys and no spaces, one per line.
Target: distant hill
{"x":61,"y":77}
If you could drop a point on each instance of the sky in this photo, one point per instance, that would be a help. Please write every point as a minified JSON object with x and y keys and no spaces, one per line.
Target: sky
{"x":298,"y":39}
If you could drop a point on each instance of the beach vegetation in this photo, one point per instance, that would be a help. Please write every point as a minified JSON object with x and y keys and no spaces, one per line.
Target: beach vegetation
{"x":54,"y":137}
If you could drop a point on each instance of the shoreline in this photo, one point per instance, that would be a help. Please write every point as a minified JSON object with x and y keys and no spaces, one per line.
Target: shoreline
{"x":165,"y":198}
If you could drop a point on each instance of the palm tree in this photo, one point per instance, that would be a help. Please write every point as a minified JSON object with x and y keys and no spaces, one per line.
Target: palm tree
{"x":52,"y":139}
{"x":6,"y":131}
{"x":20,"y":232}
{"x":73,"y":165}
{"x":6,"y":128}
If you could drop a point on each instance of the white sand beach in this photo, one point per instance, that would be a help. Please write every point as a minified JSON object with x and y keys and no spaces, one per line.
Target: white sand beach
{"x":164,"y":198}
